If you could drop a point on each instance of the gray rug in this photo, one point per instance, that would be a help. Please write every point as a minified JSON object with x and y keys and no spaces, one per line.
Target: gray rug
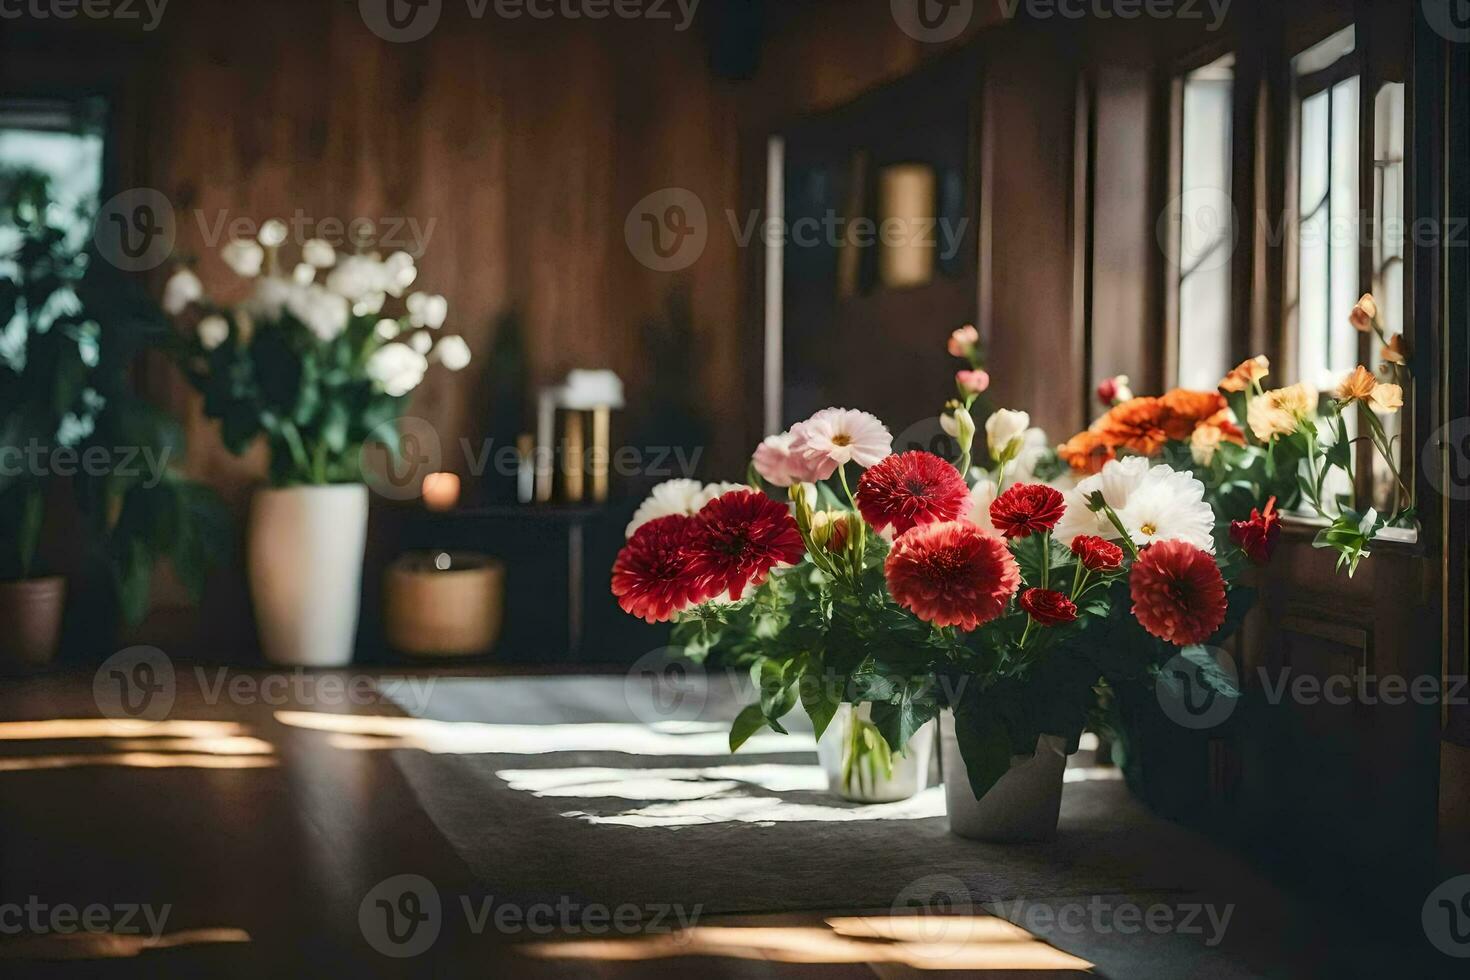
{"x":584,"y":786}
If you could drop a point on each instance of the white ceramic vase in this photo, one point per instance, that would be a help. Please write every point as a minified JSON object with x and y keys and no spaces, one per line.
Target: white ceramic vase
{"x":864,"y":781}
{"x":1023,"y":805}
{"x":305,"y":565}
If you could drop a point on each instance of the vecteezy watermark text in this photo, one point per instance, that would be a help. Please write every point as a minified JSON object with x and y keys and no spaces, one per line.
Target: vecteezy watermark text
{"x":150,"y":12}
{"x":402,"y":916}
{"x":35,"y":917}
{"x":405,"y":21}
{"x":126,"y":462}
{"x":141,"y":683}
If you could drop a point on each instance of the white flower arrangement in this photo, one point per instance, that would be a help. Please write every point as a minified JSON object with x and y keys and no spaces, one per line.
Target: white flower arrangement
{"x":309,"y":360}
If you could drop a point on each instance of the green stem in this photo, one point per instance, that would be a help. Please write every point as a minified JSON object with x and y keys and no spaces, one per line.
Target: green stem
{"x":842,"y":474}
{"x":1045,"y":559}
{"x":1128,"y":544}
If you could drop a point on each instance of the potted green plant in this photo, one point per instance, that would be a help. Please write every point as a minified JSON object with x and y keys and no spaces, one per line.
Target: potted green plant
{"x":317,"y":370}
{"x":73,"y":328}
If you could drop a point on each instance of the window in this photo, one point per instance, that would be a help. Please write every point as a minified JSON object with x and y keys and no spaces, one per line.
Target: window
{"x":1206,"y":232}
{"x":64,"y":142}
{"x":1389,"y":233}
{"x":1327,"y":231}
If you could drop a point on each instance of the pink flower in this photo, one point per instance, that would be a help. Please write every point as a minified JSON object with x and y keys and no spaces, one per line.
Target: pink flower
{"x":962,"y":342}
{"x":973,"y":382}
{"x":836,"y":436}
{"x":779,"y":465}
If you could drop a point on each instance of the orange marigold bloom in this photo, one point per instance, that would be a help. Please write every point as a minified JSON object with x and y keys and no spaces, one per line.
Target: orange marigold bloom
{"x":1087,"y":451}
{"x":1189,"y":408}
{"x":1141,"y":425}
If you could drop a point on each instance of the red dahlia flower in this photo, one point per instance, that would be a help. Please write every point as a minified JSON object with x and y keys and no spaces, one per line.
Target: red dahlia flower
{"x":1178,"y":593}
{"x":1027,"y":508}
{"x":1048,"y":607}
{"x":736,"y":540}
{"x":1257,"y":537}
{"x":911,"y":489}
{"x":1097,"y":554}
{"x":651,"y":575}
{"x":952,"y":574}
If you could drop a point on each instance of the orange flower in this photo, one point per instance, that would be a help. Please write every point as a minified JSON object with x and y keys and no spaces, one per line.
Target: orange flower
{"x":1087,"y":451}
{"x":1357,"y":386}
{"x":1395,"y":352}
{"x":1185,"y":409}
{"x":1246,"y":373}
{"x":1140,"y":425}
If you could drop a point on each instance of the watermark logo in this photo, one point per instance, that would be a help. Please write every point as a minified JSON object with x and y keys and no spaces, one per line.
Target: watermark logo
{"x":1449,"y":18}
{"x":1198,"y":229}
{"x":932,"y":21}
{"x":400,"y":475}
{"x":664,"y":686}
{"x":401,"y":916}
{"x":1447,"y":459}
{"x":135,"y":229}
{"x":941,"y":905}
{"x":668,"y":230}
{"x":1188,"y":687}
{"x":401,"y":21}
{"x":137,"y":683}
{"x":1099,"y":916}
{"x":1446,"y":917}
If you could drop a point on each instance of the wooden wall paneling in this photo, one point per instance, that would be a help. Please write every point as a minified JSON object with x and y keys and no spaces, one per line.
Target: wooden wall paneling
{"x":1028,"y":108}
{"x":1128,"y":258}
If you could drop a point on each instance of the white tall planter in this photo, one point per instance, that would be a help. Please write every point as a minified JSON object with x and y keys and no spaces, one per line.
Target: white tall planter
{"x":305,"y":564}
{"x":868,"y":784}
{"x":1023,"y":805}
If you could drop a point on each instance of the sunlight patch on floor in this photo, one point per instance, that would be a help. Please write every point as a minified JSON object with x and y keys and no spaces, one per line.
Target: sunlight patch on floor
{"x":766,"y":810}
{"x":484,"y":738}
{"x":989,"y":946}
{"x":664,"y":784}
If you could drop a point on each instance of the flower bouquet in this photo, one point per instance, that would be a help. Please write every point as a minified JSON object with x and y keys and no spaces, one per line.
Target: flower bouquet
{"x":913,"y":585}
{"x":318,"y":371}
{"x":1293,"y":453}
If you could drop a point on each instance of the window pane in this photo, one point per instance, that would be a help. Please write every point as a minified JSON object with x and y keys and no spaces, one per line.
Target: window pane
{"x":1327,"y":198}
{"x":63,"y":141}
{"x":1206,"y":234}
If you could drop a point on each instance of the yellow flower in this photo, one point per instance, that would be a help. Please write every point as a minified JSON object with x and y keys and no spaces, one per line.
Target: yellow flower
{"x":1357,"y":386}
{"x":1387,"y":398}
{"x":1246,"y":374}
{"x":1203,"y":443}
{"x":1299,"y":399}
{"x":1364,"y":313}
{"x":1277,"y":413}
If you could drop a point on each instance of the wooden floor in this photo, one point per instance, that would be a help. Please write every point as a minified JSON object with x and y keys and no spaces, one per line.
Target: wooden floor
{"x":262,"y":843}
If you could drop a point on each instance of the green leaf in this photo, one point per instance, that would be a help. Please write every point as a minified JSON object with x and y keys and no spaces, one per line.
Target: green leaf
{"x":985,"y":746}
{"x":819,"y":699}
{"x":900,"y":720}
{"x":33,"y":509}
{"x":750,"y":720}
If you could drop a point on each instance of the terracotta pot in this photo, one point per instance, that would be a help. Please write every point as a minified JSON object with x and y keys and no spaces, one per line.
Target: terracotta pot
{"x":1022,"y":806}
{"x":443,"y":603}
{"x":31,"y":611}
{"x":305,"y":564}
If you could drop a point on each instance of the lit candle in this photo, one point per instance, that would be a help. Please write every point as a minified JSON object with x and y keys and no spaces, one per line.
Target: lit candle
{"x":441,"y":491}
